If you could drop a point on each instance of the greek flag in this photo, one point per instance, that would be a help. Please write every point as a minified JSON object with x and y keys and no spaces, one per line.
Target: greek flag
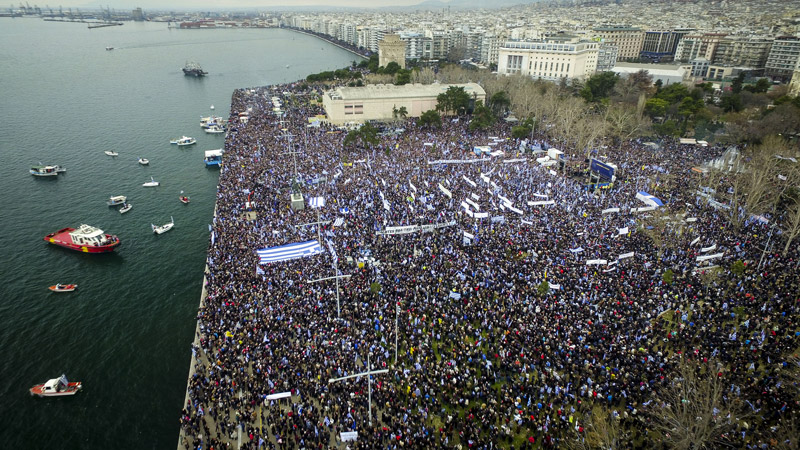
{"x":316,"y":202}
{"x":289,"y":251}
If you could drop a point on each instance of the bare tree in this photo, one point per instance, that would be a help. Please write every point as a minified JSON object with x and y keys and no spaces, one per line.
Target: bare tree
{"x":600,"y":431}
{"x":695,"y":409}
{"x":791,"y":224}
{"x":625,"y":122}
{"x":425,"y":75}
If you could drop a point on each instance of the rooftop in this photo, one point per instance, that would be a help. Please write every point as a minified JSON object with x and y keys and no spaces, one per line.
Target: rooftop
{"x":378,"y":91}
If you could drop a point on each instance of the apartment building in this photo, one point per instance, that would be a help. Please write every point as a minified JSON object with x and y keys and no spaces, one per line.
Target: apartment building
{"x":551,"y":59}
{"x":700,"y":45}
{"x":784,"y":57}
{"x":745,"y":51}
{"x":606,"y":57}
{"x":628,"y":40}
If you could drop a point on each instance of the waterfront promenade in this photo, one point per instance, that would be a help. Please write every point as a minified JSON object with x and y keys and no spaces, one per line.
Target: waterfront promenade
{"x":480,"y":352}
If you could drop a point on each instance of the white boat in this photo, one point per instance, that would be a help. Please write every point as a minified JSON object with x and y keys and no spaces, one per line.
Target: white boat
{"x":109,"y":48}
{"x":206,"y":122}
{"x":184,"y":140}
{"x":46,"y":171}
{"x":125,"y":208}
{"x":111,"y":153}
{"x":215,"y":129}
{"x":57,"y":387}
{"x":161,"y":229}
{"x":116,"y":200}
{"x":212,"y":106}
{"x":144,"y":161}
{"x":151,"y":183}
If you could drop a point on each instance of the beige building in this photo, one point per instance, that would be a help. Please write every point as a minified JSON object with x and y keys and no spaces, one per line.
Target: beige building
{"x":378,"y":101}
{"x":392,"y":49}
{"x":548,"y":60}
{"x":628,"y":40}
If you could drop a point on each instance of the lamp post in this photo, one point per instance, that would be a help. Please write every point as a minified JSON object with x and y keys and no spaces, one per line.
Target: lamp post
{"x":369,"y":374}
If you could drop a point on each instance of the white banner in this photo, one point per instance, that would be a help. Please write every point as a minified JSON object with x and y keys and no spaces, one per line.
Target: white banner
{"x":445,"y":191}
{"x":456,"y":161}
{"x":413,"y":188}
{"x":518,"y":211}
{"x":516,"y":160}
{"x":708,"y":249}
{"x":471,"y":183}
{"x":691,"y":219}
{"x":345,"y":436}
{"x":541,"y":195}
{"x":597,"y":262}
{"x":622,"y":231}
{"x":643,"y":209}
{"x":609,"y":211}
{"x":279,"y":396}
{"x":542,"y":202}
{"x":482,"y":215}
{"x":468,"y":235}
{"x":625,"y":255}
{"x":475,"y":196}
{"x":707,"y":257}
{"x":694,"y":242}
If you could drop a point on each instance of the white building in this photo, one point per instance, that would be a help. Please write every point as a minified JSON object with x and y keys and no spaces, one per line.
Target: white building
{"x":378,"y":101}
{"x":549,"y":60}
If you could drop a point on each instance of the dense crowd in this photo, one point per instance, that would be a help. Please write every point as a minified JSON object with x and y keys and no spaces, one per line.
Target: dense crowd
{"x":488,"y":354}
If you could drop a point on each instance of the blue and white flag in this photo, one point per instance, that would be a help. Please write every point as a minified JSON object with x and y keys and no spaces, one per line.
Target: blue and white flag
{"x":289,"y":251}
{"x":316,"y":202}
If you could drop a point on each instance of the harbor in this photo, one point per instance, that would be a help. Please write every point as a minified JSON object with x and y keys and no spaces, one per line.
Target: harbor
{"x":132,"y":319}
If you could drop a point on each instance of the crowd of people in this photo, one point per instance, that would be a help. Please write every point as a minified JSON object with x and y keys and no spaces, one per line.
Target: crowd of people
{"x":510,"y":329}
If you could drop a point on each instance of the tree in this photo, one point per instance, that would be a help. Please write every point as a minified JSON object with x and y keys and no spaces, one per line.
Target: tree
{"x":402,"y":112}
{"x":673,"y":93}
{"x":455,"y":99}
{"x":656,"y":107}
{"x":625,"y":123}
{"x":599,"y":86}
{"x":731,"y":103}
{"x":366,"y":135}
{"x":500,"y":102}
{"x":736,"y":84}
{"x":430,"y":118}
{"x":761,"y":86}
{"x":482,"y":118}
{"x":391,"y":68}
{"x":667,"y":129}
{"x":694,"y":408}
{"x":423,"y":76}
{"x":402,"y":77}
{"x":598,"y":430}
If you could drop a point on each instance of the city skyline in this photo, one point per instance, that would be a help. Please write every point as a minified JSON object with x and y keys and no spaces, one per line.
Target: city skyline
{"x":283,"y":4}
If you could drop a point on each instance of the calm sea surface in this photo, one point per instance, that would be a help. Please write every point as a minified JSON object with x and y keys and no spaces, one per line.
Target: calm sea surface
{"x":125,"y":332}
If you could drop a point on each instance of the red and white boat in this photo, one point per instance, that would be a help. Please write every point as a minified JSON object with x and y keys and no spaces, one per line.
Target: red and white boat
{"x":63,"y":287}
{"x":86,"y":238}
{"x":57,"y":387}
{"x":184,"y":200}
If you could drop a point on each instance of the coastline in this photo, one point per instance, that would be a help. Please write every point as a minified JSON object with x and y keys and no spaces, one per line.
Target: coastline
{"x":193,"y":362}
{"x":326,"y":40}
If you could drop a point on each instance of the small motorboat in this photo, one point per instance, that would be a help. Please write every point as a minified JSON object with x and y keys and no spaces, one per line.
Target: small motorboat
{"x":151,"y":183}
{"x":184,"y":140}
{"x":212,"y":107}
{"x":184,"y":199}
{"x":215,"y":129}
{"x":125,"y":208}
{"x":63,"y":287}
{"x":116,"y":200}
{"x":161,"y":229}
{"x":47,"y":171}
{"x":57,"y":387}
{"x":111,"y":153}
{"x":144,"y":161}
{"x":109,"y":48}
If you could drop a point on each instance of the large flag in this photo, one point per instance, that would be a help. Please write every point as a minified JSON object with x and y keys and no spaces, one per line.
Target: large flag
{"x":316,"y":202}
{"x":289,"y":251}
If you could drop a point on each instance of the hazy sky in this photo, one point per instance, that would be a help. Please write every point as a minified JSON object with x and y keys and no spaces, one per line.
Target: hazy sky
{"x":216,"y":4}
